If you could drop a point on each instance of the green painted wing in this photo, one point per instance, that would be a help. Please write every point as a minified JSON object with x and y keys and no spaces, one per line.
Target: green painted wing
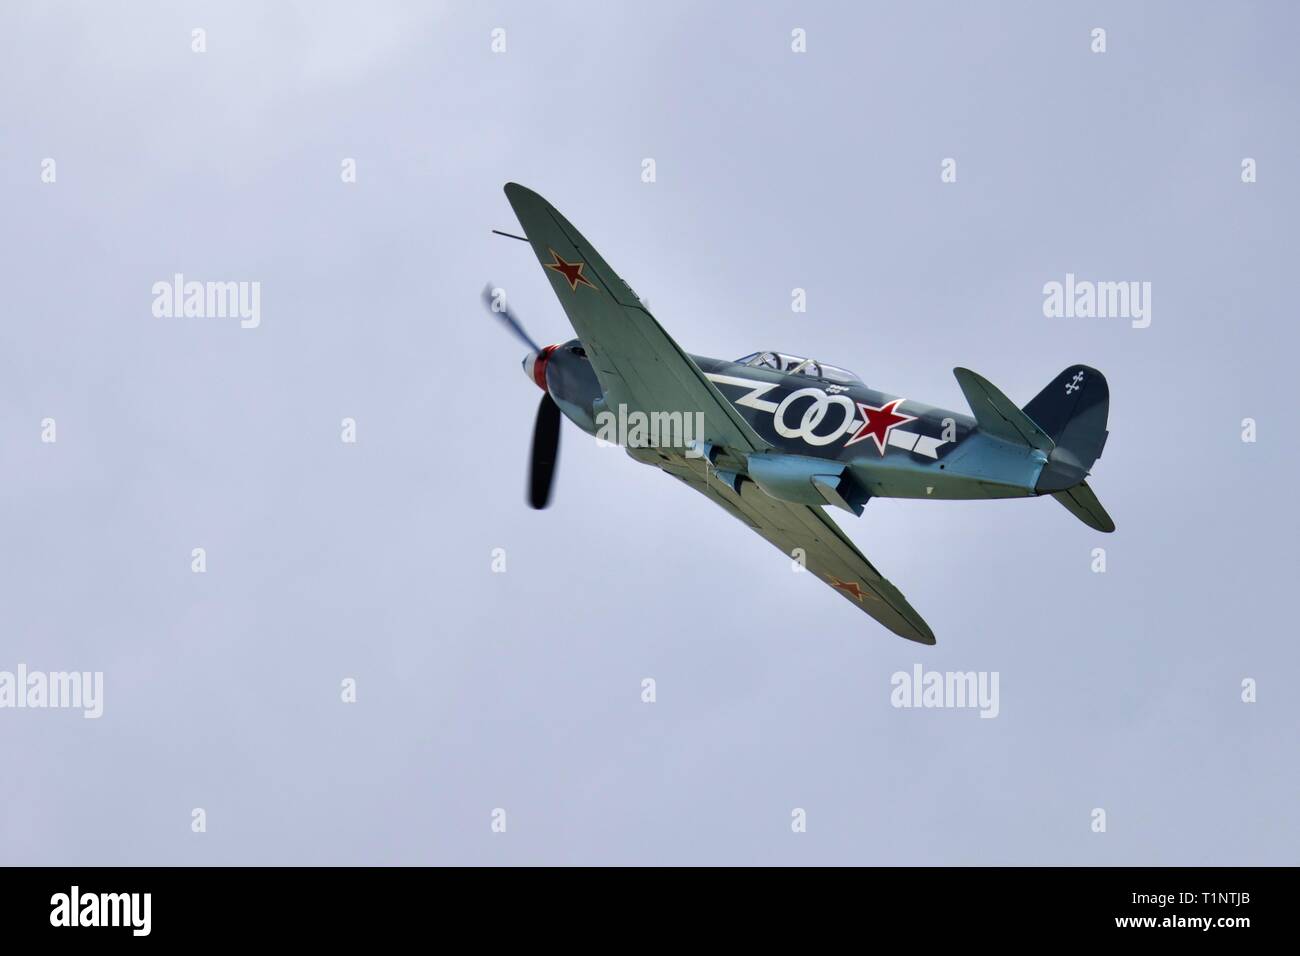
{"x":637,"y":362}
{"x":827,"y":551}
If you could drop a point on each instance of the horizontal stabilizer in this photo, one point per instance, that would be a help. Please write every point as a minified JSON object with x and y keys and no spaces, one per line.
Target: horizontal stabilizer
{"x":1083,"y":504}
{"x":997,"y":415}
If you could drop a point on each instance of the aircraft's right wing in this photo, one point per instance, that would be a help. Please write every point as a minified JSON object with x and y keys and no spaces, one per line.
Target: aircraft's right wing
{"x":827,"y":551}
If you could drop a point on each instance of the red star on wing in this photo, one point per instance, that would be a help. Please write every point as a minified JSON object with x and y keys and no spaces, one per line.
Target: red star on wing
{"x":876,"y":423}
{"x":572,"y":271}
{"x":848,"y":587}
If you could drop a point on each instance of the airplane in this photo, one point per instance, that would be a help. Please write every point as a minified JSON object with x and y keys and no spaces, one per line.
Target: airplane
{"x":780,"y":437}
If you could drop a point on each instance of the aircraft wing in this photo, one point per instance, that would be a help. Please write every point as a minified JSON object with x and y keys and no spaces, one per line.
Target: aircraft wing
{"x":636,"y":361}
{"x":828,"y":552}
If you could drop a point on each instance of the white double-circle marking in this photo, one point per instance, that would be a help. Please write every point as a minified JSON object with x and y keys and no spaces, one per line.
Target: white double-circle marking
{"x":813,"y":415}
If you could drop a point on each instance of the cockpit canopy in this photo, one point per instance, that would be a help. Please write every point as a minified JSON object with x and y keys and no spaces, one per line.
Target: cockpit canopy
{"x":795,"y":365}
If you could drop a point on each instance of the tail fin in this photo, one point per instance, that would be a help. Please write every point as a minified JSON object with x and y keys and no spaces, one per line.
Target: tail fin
{"x":1073,"y":411}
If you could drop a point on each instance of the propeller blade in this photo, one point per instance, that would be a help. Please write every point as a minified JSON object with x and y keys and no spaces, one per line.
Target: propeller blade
{"x":546,"y":448}
{"x":500,"y":310}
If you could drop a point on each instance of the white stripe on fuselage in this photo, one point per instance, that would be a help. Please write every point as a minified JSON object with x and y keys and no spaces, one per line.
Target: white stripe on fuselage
{"x":750,"y":399}
{"x":911,"y":441}
{"x":908,"y":441}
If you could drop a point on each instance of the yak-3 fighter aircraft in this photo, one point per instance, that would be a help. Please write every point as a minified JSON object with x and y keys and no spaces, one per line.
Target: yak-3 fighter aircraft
{"x":781,"y":436}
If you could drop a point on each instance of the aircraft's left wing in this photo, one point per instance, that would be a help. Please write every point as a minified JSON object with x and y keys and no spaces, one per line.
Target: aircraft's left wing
{"x":637,"y":362}
{"x":827,"y":551}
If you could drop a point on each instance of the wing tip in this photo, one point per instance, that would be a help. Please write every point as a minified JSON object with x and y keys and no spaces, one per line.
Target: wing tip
{"x":920,"y":636}
{"x":515,"y":191}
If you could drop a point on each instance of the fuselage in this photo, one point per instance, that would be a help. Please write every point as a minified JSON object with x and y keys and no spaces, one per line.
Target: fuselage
{"x":894,"y":446}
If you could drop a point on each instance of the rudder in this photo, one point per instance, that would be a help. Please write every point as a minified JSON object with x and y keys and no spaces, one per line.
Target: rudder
{"x":1073,"y":410}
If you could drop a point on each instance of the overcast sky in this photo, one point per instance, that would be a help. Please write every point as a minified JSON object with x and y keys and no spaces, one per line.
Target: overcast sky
{"x":371,"y":560}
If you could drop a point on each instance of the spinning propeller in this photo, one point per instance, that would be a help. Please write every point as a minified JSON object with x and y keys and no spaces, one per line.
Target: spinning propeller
{"x":546,"y":432}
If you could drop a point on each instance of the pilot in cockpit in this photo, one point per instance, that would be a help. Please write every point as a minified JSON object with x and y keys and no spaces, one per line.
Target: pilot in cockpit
{"x":795,"y":365}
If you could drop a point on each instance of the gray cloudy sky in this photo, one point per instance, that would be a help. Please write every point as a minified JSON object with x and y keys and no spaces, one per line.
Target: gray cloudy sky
{"x":522,"y":690}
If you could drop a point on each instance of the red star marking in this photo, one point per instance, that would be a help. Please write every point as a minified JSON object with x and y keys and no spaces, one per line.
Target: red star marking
{"x":848,"y":587}
{"x":572,"y":271}
{"x":876,"y":423}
